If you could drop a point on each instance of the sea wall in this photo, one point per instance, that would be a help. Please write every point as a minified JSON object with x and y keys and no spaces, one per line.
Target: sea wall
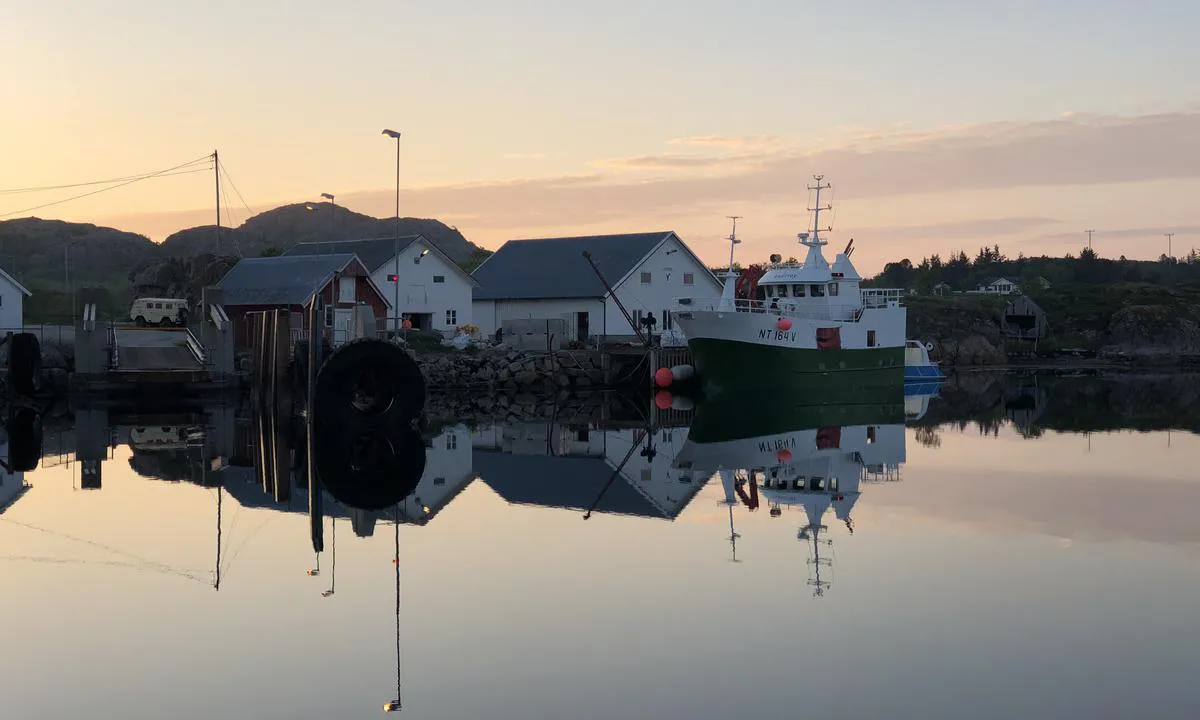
{"x":509,"y":368}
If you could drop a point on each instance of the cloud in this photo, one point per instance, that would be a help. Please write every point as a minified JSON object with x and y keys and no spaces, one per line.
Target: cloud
{"x":523,"y":156}
{"x":977,"y":228}
{"x":983,"y":157}
{"x":869,"y":169}
{"x":673,"y":162}
{"x":732,"y":142}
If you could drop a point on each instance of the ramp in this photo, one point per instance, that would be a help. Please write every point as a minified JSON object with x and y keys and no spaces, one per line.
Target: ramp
{"x":156,"y":350}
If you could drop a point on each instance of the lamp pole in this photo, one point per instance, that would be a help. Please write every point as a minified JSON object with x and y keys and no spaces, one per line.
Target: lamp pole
{"x":332,"y":212}
{"x":396,"y":243}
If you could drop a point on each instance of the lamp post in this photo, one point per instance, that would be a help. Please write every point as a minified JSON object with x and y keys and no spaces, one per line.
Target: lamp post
{"x":396,"y":243}
{"x":332,"y":211}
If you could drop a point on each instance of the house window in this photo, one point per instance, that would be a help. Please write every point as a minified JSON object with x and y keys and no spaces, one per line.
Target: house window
{"x":439,"y":278}
{"x":451,"y":441}
{"x":346,"y":290}
{"x":645,"y":278}
{"x":581,"y":435}
{"x":817,"y":290}
{"x":666,"y":316}
{"x":328,"y":316}
{"x":689,"y":279}
{"x":870,"y":338}
{"x":870,"y":434}
{"x":833,"y":289}
{"x":451,"y":318}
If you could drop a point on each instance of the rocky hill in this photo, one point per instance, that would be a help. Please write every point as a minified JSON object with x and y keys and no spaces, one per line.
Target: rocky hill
{"x":35,"y":251}
{"x":285,"y":226}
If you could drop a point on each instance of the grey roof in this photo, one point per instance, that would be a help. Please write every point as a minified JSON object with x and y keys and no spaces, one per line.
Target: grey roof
{"x":576,"y":483}
{"x":555,"y":267}
{"x":281,"y":280}
{"x":373,"y":252}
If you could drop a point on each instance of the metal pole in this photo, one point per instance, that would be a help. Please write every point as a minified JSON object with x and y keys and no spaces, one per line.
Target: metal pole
{"x":67,"y":278}
{"x":217,"y":175}
{"x":396,"y":249}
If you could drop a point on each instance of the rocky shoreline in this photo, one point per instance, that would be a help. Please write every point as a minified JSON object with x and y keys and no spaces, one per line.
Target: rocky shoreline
{"x":508,"y":368}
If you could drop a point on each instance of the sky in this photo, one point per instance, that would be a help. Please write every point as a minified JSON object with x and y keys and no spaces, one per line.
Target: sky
{"x":941,"y":125}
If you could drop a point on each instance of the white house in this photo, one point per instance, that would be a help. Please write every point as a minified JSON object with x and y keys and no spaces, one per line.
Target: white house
{"x":433,"y":291}
{"x":12,"y":303}
{"x":550,"y":279}
{"x":999,"y":286}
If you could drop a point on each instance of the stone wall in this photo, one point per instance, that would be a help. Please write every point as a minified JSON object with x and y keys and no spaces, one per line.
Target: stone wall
{"x":511,"y":368}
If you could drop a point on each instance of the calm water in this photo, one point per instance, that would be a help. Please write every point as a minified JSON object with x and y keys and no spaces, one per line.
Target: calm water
{"x":1012,"y":550}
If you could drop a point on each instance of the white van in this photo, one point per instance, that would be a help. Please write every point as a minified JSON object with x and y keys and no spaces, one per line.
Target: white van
{"x":159,"y":311}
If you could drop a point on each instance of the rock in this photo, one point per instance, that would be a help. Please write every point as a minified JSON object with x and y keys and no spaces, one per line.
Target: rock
{"x":525,"y":377}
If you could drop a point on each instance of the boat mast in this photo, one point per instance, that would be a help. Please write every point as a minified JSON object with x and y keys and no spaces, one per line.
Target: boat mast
{"x":733,"y":238}
{"x":814,"y":238}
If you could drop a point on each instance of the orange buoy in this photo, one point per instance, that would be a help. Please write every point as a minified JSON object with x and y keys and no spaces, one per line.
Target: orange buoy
{"x":663,"y":377}
{"x":783,"y":455}
{"x":784,"y":324}
{"x":662,"y":400}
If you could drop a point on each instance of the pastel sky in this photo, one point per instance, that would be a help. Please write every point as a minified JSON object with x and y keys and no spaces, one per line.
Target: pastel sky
{"x":941,"y":124}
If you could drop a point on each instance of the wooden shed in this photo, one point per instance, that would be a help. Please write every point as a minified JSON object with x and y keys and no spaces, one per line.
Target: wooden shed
{"x":1023,"y":319}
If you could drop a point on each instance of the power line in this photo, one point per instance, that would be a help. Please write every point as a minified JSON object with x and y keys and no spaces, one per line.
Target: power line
{"x":45,"y":188}
{"x":101,"y":190}
{"x":236,"y":191}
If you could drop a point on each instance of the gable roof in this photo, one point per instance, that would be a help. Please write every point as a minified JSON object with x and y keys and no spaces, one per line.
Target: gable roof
{"x":548,"y":268}
{"x":17,"y":285}
{"x":373,"y":252}
{"x":281,"y":280}
{"x":576,"y":483}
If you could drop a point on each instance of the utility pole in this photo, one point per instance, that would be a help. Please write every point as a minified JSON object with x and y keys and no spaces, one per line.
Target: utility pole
{"x":1089,"y":234}
{"x":1169,"y":236}
{"x":217,"y":175}
{"x":396,"y":242}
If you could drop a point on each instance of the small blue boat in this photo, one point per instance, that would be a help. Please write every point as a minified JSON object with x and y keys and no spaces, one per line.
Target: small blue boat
{"x":918,"y":368}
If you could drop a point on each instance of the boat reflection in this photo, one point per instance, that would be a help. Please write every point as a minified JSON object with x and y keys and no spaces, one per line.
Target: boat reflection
{"x":807,"y":459}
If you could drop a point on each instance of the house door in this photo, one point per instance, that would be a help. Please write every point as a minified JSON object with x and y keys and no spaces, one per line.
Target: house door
{"x":581,"y":326}
{"x":343,"y":322}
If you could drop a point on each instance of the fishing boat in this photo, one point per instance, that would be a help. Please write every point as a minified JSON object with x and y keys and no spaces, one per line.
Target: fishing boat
{"x":812,"y":326}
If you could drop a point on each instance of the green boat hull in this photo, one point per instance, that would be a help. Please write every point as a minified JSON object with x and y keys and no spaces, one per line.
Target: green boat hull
{"x":726,"y":366}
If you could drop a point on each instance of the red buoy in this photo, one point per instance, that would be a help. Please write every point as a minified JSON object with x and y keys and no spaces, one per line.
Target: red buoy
{"x":783,"y":455}
{"x":784,"y":324}
{"x":663,"y":377}
{"x":407,"y":324}
{"x":662,"y":400}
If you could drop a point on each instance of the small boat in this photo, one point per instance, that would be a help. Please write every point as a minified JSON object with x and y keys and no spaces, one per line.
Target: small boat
{"x":918,"y":368}
{"x":812,"y":326}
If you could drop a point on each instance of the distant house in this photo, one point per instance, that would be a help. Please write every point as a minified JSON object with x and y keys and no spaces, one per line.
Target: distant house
{"x":999,"y":286}
{"x":1023,"y":319}
{"x":12,"y":303}
{"x":434,"y":292}
{"x":288,"y":282}
{"x":942,"y":289}
{"x":550,"y":279}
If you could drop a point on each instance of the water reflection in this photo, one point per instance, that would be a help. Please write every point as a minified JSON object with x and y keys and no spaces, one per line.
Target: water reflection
{"x":469,"y":601}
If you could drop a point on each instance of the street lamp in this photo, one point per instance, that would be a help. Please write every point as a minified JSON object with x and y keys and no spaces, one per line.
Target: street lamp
{"x":396,"y":244}
{"x":332,"y":210}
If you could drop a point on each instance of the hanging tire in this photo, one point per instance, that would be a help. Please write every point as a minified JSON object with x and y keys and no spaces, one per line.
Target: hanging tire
{"x":24,"y":439}
{"x":369,"y":466}
{"x":24,"y":363}
{"x":369,"y":380}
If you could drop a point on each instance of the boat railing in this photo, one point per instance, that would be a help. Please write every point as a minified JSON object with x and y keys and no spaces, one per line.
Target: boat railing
{"x":774,"y":306}
{"x":881,"y":297}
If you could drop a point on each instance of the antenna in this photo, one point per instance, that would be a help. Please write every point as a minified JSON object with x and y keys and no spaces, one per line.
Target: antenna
{"x":733,"y":238}
{"x":815,"y":236}
{"x":1089,"y":234}
{"x":1169,"y":236}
